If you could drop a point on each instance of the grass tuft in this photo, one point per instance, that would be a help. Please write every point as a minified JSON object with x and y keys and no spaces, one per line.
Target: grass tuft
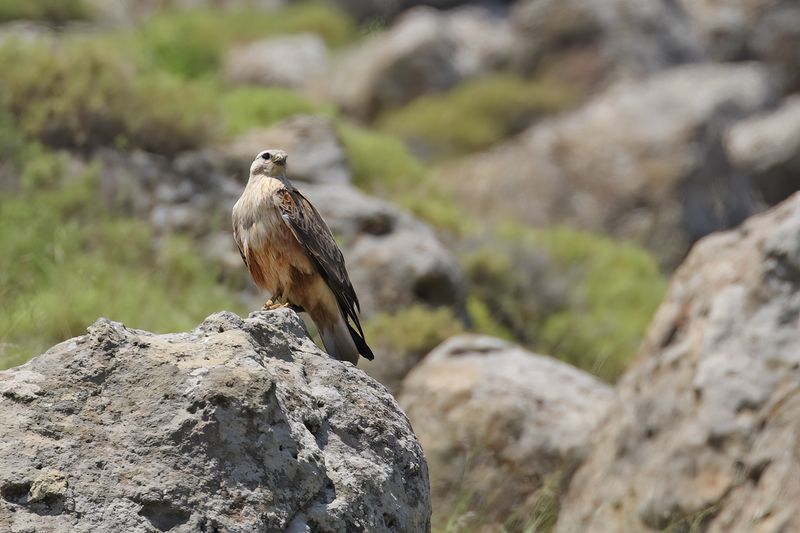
{"x":82,"y":95}
{"x":65,"y":260}
{"x":53,"y":11}
{"x":580,"y":297}
{"x":192,"y":43}
{"x":250,"y":107}
{"x":475,"y":115}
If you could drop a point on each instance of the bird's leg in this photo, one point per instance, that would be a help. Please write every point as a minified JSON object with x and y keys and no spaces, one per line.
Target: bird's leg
{"x":275,"y":302}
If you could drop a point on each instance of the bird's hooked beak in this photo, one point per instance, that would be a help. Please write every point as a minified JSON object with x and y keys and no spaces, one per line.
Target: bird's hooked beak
{"x":280,"y":159}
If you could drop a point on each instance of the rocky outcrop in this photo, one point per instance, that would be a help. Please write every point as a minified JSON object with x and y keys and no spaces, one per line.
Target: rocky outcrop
{"x":316,"y":154}
{"x":499,"y":423}
{"x":241,"y":425}
{"x":385,"y":10}
{"x":643,"y":161}
{"x":295,"y":61}
{"x":394,"y":260}
{"x":768,"y":147}
{"x":589,"y":41}
{"x":767,"y":30}
{"x":425,"y":50}
{"x":703,"y":429}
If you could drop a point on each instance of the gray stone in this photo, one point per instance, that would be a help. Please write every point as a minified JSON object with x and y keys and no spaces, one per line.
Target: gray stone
{"x":592,"y":41}
{"x":766,"y":30}
{"x":499,"y":423}
{"x":240,"y":425}
{"x":294,"y":61}
{"x":704,"y":426}
{"x":386,"y":10}
{"x":768,"y":146}
{"x":643,"y":160}
{"x":424,"y":50}
{"x":315,"y":151}
{"x":394,"y":260}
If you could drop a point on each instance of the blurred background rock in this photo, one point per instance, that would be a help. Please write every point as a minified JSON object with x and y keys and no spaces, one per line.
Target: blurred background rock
{"x":532,"y":171}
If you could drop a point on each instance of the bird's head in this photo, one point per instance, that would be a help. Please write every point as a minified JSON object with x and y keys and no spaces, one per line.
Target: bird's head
{"x":269,"y":163}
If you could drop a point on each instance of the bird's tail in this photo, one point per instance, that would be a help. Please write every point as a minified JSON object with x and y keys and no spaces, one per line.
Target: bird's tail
{"x":344,"y":343}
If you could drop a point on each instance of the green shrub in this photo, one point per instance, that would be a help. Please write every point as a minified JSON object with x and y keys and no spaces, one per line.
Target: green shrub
{"x":414,"y":330}
{"x":85,"y":93}
{"x":475,"y":114}
{"x":610,"y":308}
{"x":192,"y":42}
{"x":65,"y":261}
{"x":56,"y":11}
{"x":586,"y":300}
{"x":383,"y":166}
{"x":250,"y":107}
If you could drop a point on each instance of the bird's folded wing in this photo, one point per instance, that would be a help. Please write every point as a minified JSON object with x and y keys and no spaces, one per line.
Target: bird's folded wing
{"x":316,"y":238}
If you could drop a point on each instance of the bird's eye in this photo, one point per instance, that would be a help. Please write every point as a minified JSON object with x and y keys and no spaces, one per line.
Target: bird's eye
{"x":266,"y":156}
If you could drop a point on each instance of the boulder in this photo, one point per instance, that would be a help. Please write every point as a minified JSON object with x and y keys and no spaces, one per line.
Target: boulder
{"x":394,"y":260}
{"x":768,"y":146}
{"x":424,"y":50}
{"x":294,"y":61}
{"x":590,"y":41}
{"x":703,"y":430}
{"x":386,"y":10}
{"x":240,"y":425}
{"x":499,"y":424}
{"x":315,"y":151}
{"x":767,"y":30}
{"x":643,"y":161}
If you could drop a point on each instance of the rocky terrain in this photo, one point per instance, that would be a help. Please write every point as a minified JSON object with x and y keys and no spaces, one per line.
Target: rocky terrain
{"x":516,"y":185}
{"x":703,"y":428}
{"x":240,"y":425}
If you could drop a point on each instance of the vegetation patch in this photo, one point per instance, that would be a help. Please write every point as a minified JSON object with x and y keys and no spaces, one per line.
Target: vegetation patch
{"x":55,"y":11}
{"x":192,"y":43}
{"x":382,"y":165}
{"x":83,"y":95}
{"x":66,"y":260}
{"x":475,"y":114}
{"x":414,"y":330}
{"x":581,"y":297}
{"x":250,"y":107}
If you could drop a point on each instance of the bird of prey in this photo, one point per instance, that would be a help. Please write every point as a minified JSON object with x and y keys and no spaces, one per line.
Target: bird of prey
{"x":291,"y":253}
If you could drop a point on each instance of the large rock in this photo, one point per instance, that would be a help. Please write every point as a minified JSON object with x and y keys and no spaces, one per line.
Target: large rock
{"x":499,"y":423}
{"x":394,"y":260}
{"x":294,"y":61}
{"x":425,"y":50}
{"x":315,"y":150}
{"x":643,"y":160}
{"x":767,"y":30}
{"x":239,"y":426}
{"x":704,"y":428}
{"x":589,"y":41}
{"x":768,"y":146}
{"x":385,"y":10}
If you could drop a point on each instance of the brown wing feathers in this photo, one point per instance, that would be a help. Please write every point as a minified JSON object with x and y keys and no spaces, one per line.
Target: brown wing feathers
{"x":317,"y":240}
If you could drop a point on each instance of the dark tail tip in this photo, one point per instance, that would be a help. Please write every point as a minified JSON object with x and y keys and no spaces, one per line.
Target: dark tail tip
{"x":361,"y":344}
